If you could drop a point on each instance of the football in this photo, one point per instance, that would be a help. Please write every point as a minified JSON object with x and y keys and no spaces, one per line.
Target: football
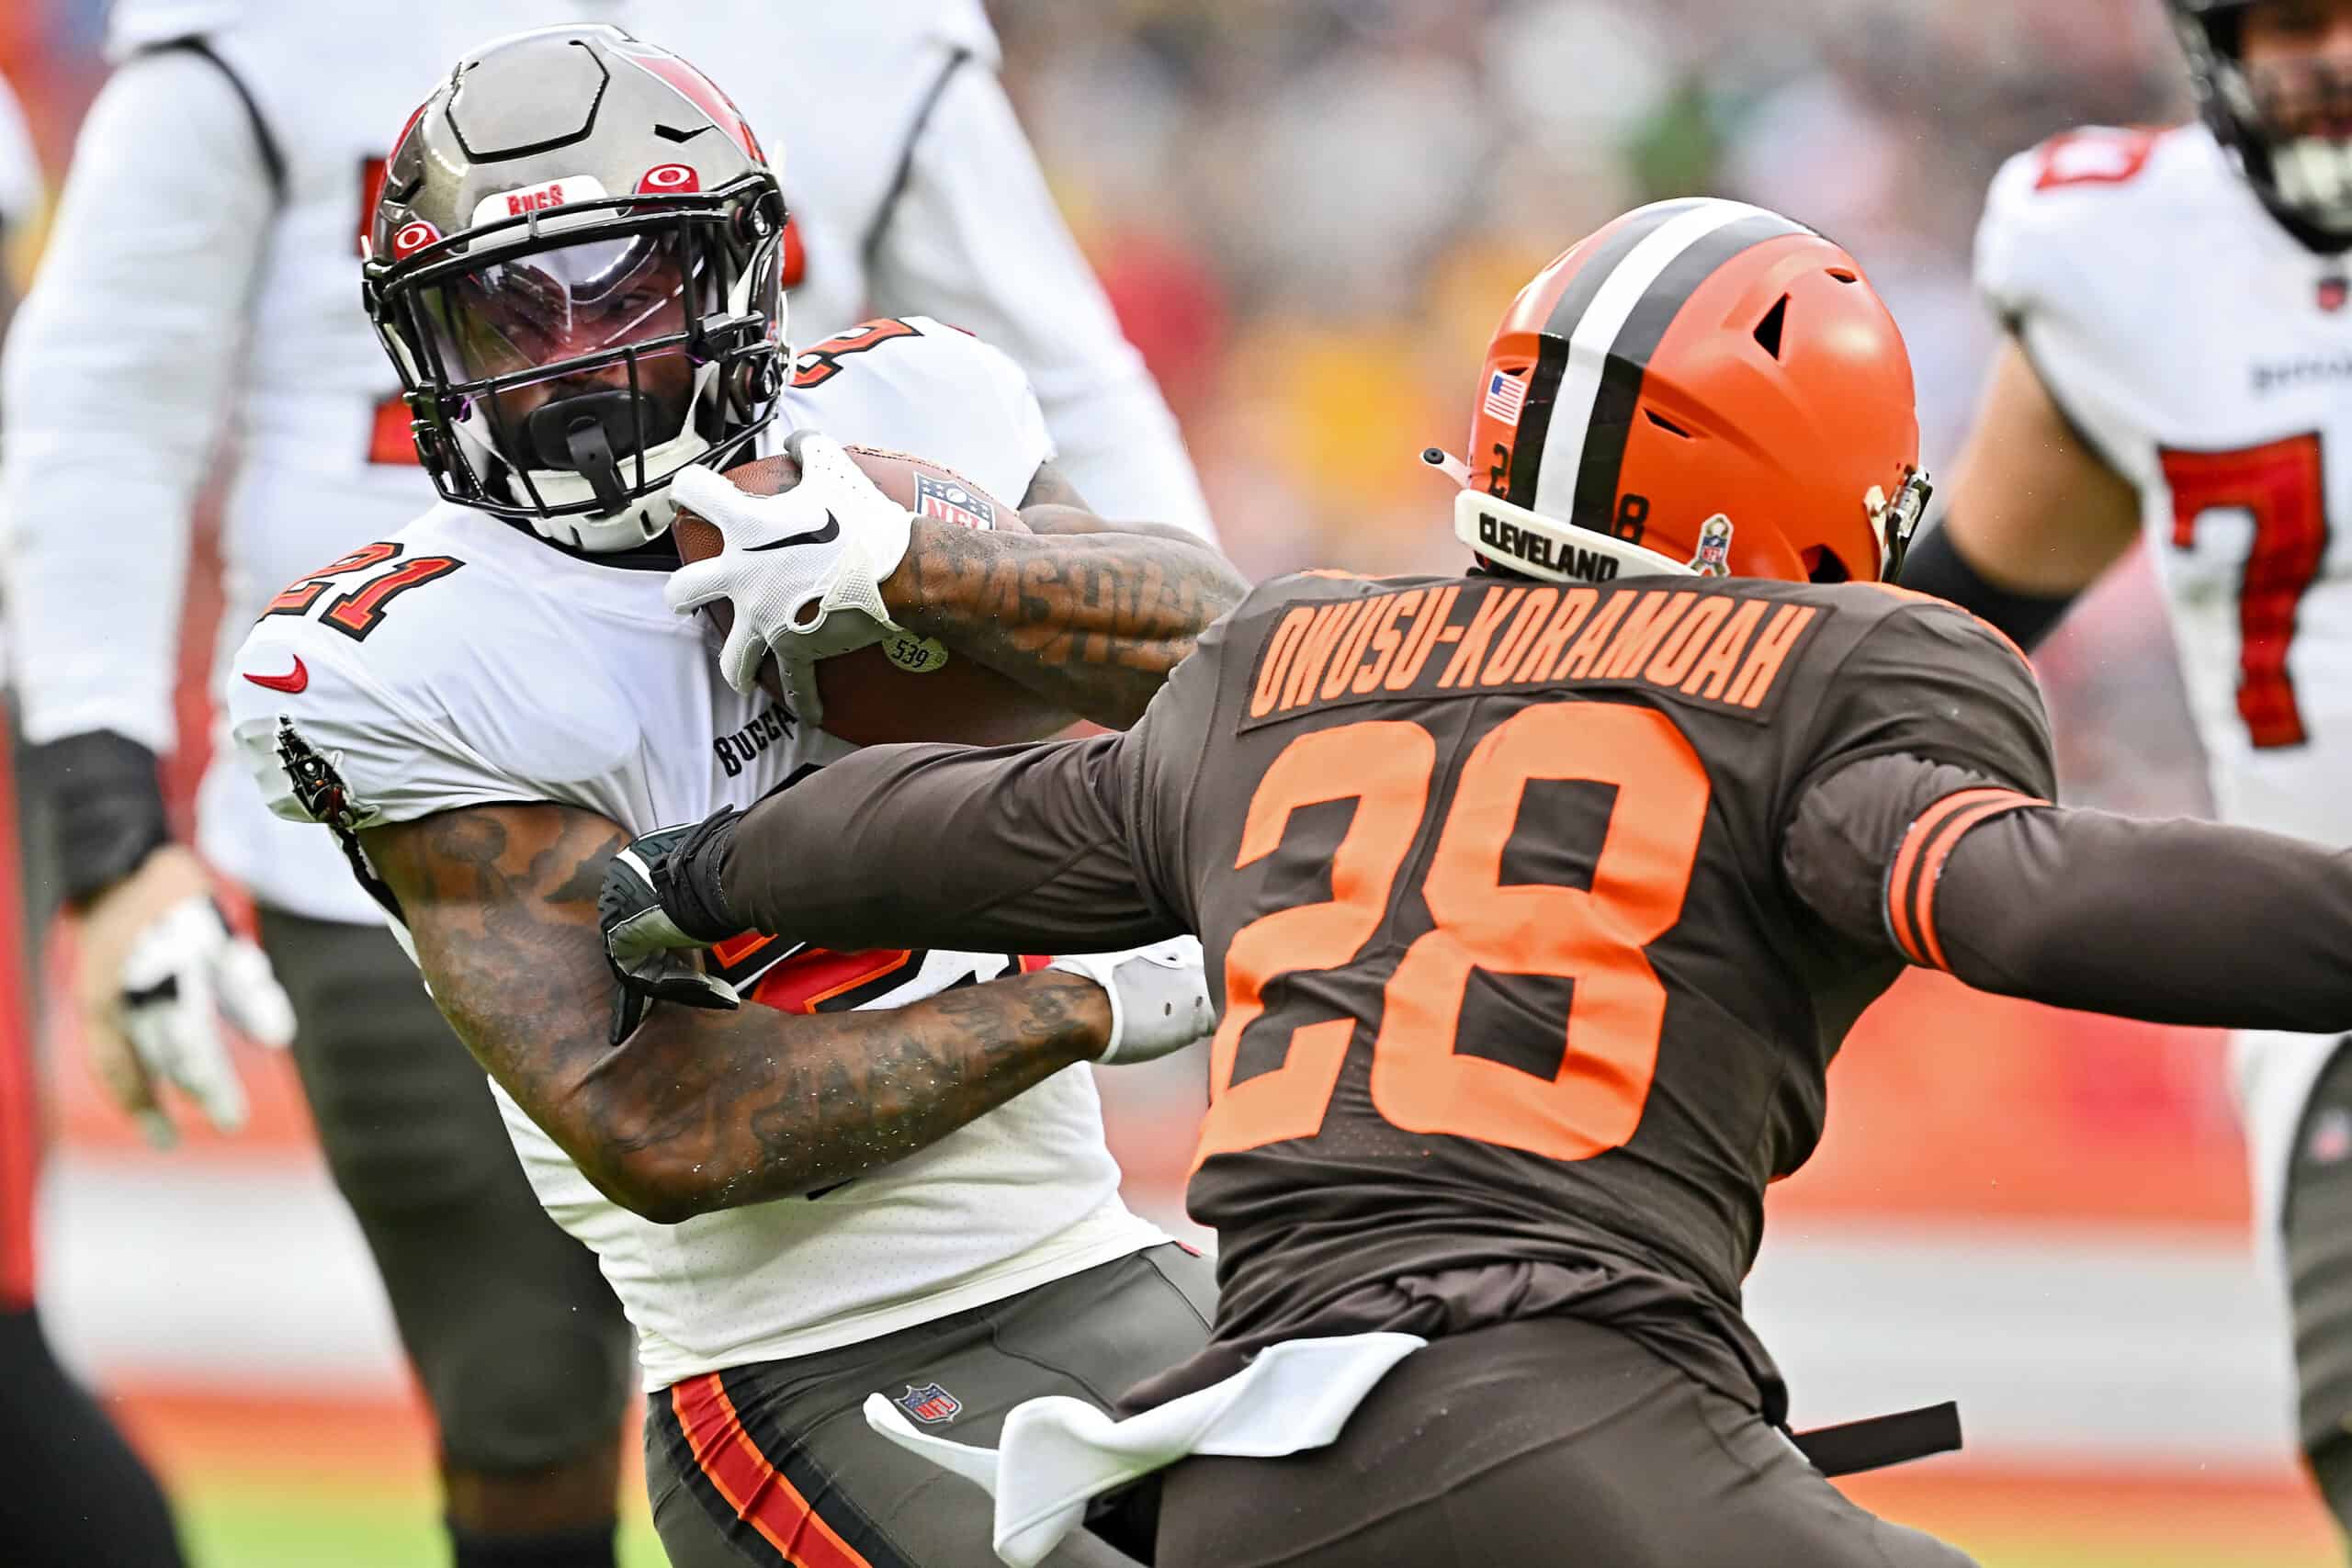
{"x":902,"y":688}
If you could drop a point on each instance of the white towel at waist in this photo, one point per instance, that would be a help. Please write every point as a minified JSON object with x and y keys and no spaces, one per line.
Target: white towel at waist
{"x":1058,"y":1453}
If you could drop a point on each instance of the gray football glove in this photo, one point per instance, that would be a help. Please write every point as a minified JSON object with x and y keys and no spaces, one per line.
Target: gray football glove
{"x":652,"y":958}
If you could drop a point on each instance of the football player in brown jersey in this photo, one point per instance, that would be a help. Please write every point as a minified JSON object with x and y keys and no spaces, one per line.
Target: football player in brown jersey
{"x":1542,"y":898}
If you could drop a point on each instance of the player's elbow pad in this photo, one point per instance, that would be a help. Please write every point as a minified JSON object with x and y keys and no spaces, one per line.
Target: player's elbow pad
{"x":2175,"y":922}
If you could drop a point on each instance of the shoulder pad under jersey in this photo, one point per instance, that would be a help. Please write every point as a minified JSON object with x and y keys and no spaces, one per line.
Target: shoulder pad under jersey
{"x":427,"y":674}
{"x":915,"y":385}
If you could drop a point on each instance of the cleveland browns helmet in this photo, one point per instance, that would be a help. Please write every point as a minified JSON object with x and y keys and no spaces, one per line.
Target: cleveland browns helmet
{"x":1700,"y":387}
{"x":2265,"y":119}
{"x":576,"y":266}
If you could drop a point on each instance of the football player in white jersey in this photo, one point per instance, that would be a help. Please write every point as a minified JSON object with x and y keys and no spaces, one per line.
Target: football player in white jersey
{"x":74,"y":1491}
{"x":2179,"y":367}
{"x":885,"y":1178}
{"x":203,"y":278}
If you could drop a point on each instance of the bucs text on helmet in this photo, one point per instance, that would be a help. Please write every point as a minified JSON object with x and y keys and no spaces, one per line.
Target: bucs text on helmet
{"x":2277,"y":123}
{"x":1700,"y":387}
{"x":576,"y":267}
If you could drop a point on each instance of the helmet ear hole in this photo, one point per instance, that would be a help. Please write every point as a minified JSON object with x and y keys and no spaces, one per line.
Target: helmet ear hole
{"x":1822,"y":564}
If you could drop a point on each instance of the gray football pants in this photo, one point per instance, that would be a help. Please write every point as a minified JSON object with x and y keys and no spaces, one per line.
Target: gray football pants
{"x":773,"y":1463}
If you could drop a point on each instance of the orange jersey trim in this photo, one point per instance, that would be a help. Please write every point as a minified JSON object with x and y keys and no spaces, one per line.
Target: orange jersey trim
{"x":1919,"y":865}
{"x":1918,"y":598}
{"x":753,"y":1486}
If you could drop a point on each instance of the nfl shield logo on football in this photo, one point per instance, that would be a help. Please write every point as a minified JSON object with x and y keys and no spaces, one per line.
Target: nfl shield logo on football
{"x":944,"y":501}
{"x":930,"y":1403}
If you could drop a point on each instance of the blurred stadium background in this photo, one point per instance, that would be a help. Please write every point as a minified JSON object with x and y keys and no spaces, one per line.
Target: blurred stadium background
{"x":1308,"y":213}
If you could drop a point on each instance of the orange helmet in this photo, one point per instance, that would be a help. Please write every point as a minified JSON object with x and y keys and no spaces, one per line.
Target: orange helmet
{"x":1700,"y":387}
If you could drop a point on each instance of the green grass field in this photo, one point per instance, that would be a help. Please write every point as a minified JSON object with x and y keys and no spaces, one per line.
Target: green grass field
{"x":248,"y":1523}
{"x":288,"y":1483}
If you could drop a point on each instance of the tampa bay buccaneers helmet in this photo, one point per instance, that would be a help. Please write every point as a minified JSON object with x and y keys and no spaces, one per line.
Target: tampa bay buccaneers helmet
{"x":576,"y":266}
{"x":1700,"y":387}
{"x":2304,"y":177}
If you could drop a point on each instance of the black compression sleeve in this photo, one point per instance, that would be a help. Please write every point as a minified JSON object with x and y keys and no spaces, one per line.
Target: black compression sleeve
{"x":686,"y":880}
{"x":107,"y":802}
{"x":2175,"y":922}
{"x":1934,"y":565}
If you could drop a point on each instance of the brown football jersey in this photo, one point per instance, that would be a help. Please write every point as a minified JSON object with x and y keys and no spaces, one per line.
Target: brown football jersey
{"x":1532,"y":972}
{"x":1493,"y":871}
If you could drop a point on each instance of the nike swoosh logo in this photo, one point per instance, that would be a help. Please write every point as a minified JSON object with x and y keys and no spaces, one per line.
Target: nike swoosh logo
{"x":824,"y":536}
{"x":293,"y":679}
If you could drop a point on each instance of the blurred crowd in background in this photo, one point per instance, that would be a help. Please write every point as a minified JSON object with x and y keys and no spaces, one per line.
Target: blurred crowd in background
{"x":1309,"y":213}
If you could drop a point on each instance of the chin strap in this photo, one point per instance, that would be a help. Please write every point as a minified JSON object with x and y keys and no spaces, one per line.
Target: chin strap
{"x":592,"y":453}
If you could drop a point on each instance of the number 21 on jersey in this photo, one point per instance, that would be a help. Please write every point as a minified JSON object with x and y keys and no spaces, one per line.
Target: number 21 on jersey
{"x":1595,"y":936}
{"x":361,"y":610}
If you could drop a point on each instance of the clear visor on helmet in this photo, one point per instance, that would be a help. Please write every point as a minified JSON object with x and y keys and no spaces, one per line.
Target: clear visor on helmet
{"x":545,"y":309}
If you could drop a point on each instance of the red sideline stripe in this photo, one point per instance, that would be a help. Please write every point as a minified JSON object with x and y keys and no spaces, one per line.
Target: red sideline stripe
{"x":1933,"y":868}
{"x":19,"y":1087}
{"x":1898,"y":881}
{"x":759,"y":1493}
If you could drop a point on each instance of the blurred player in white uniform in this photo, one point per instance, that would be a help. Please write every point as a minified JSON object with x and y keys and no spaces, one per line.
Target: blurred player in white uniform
{"x":2180,"y":368}
{"x":202,"y":284}
{"x":71,"y":1489}
{"x":576,"y":264}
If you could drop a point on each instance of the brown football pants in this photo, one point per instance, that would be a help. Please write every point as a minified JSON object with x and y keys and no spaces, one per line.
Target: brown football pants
{"x":1544,"y":1441}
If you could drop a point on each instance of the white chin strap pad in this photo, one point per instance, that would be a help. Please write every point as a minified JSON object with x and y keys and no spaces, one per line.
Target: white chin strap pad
{"x":2315,"y":174}
{"x":643,"y":520}
{"x":1546,"y":549}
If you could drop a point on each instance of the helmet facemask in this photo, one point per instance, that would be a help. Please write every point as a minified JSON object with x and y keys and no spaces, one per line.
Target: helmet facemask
{"x":563,"y":366}
{"x":2288,"y":123}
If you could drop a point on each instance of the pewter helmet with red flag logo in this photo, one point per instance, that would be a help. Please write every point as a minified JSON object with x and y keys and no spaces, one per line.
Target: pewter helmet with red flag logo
{"x":575,"y":265}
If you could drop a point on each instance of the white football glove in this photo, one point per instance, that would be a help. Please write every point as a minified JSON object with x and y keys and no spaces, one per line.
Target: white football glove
{"x":803,"y":570}
{"x":155,"y":986}
{"x":1159,"y":997}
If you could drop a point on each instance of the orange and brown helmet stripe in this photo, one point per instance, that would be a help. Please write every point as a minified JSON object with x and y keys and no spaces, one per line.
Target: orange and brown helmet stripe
{"x":1587,"y":327}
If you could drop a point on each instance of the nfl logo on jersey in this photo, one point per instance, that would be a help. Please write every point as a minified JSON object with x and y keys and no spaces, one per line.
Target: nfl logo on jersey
{"x":930,"y":1403}
{"x":948,"y":502}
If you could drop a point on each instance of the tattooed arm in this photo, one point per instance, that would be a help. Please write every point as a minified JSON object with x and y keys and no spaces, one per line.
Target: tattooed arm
{"x":695,"y":1112}
{"x":1091,"y":614}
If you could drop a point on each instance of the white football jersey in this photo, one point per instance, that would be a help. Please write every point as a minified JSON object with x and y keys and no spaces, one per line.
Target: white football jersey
{"x":203,"y":274}
{"x":464,"y":662}
{"x":2207,"y":355}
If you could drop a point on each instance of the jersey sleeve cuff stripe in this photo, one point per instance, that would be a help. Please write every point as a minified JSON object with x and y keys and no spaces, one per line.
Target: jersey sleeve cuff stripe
{"x":1931,"y":865}
{"x":1900,"y":875}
